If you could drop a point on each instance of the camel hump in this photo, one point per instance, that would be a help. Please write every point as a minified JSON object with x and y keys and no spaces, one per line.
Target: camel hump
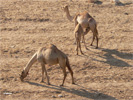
{"x":52,"y":46}
{"x":85,"y":14}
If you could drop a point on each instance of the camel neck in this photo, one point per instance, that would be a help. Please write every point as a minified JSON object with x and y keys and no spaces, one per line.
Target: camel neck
{"x":68,"y":15}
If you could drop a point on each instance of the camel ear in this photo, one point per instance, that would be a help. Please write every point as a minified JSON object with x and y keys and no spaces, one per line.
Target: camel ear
{"x":62,"y":8}
{"x":66,"y":6}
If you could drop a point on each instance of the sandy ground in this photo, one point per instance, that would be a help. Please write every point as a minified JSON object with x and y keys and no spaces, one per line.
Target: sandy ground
{"x":101,"y":74}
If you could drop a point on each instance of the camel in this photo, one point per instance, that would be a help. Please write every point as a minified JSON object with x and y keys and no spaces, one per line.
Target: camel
{"x":52,"y":55}
{"x":78,"y":33}
{"x":86,"y":21}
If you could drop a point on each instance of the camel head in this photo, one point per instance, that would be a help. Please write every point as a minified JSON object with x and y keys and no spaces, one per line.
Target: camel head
{"x":23,"y":75}
{"x":65,"y":8}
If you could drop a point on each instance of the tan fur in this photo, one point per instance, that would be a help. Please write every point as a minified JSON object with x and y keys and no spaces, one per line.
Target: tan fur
{"x":86,"y":21}
{"x":52,"y":55}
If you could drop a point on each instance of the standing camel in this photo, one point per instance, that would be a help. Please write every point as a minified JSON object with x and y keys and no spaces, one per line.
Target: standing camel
{"x":86,"y":21}
{"x":78,"y":34}
{"x":52,"y":55}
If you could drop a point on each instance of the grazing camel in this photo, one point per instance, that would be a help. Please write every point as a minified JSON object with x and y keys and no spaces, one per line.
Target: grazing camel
{"x":52,"y":55}
{"x":86,"y":21}
{"x":78,"y":33}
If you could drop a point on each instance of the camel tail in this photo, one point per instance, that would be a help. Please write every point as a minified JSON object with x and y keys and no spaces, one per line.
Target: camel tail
{"x":68,"y":66}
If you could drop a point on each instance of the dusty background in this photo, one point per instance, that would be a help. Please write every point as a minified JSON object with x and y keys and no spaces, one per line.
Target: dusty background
{"x":105,"y":73}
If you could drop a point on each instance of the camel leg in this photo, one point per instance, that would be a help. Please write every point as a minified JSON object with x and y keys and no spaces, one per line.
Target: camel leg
{"x":75,"y":33}
{"x":77,"y":42}
{"x":97,"y":38}
{"x":86,"y":31}
{"x":44,"y":70}
{"x":97,"y":41}
{"x":93,"y":39}
{"x":77,"y":47}
{"x":80,"y":48}
{"x":75,"y":28}
{"x":71,"y":75}
{"x":95,"y":34}
{"x":70,"y":70}
{"x":84,"y":42}
{"x":65,"y":74}
{"x":42,"y":74}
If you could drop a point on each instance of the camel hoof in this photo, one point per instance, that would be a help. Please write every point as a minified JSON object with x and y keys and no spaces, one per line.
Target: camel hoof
{"x":61,"y":85}
{"x":96,"y":47}
{"x":90,"y":44}
{"x":21,"y":80}
{"x":87,"y":49}
{"x":49,"y":84}
{"x":73,"y":82}
{"x":42,"y":81}
{"x":82,"y":53}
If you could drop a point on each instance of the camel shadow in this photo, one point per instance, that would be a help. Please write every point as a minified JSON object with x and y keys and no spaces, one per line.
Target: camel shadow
{"x":122,"y":4}
{"x":83,"y":91}
{"x":98,"y":2}
{"x":115,"y":58}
